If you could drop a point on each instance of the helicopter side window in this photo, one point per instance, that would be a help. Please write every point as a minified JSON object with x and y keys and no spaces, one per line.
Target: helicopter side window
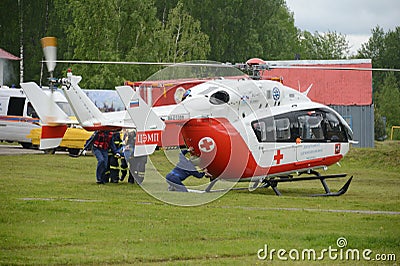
{"x":219,"y":97}
{"x":310,"y":127}
{"x":282,"y":129}
{"x":264,"y":129}
{"x":258,"y":128}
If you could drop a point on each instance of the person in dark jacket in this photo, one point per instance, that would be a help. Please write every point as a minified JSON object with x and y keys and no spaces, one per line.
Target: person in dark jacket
{"x":117,"y":162}
{"x":100,"y":143}
{"x":183,"y":170}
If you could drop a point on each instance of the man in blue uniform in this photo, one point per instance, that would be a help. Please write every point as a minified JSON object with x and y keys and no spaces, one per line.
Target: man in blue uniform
{"x":183,"y":170}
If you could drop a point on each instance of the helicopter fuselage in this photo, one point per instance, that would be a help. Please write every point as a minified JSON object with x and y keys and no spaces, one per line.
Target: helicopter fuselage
{"x":252,"y":129}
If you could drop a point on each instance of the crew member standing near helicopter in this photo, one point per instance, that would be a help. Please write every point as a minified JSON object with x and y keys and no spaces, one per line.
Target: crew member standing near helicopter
{"x":137,"y":164}
{"x":101,"y":143}
{"x":116,"y":156}
{"x":129,"y":139}
{"x":183,"y":170}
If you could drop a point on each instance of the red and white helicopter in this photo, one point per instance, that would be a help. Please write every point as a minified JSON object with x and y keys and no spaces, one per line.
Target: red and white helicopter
{"x":241,"y":130}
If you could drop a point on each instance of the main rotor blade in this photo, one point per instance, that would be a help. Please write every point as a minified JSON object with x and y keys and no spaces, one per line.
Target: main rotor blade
{"x":334,"y":68}
{"x":138,"y":63}
{"x":260,"y":67}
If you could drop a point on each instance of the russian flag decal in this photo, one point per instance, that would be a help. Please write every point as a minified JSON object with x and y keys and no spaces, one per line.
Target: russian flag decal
{"x":134,"y":103}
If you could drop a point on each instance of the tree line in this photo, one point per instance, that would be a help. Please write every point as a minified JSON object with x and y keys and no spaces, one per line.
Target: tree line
{"x":157,"y":31}
{"x":384,"y":50}
{"x":177,"y":31}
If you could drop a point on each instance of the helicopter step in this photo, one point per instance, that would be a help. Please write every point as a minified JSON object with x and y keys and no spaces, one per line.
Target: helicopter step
{"x":273,"y":183}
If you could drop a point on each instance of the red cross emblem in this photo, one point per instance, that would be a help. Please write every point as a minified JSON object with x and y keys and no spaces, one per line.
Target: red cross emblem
{"x":278,"y":157}
{"x":206,"y":144}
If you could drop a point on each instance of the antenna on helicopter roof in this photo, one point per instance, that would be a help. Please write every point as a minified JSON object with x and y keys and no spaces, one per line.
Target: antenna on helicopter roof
{"x":308,"y":90}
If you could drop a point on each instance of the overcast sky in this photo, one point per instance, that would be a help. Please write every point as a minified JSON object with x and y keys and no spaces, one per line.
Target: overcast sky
{"x":353,"y":18}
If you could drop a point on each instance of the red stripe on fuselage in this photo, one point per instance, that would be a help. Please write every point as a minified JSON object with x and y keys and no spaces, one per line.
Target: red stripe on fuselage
{"x":308,"y":164}
{"x":231,"y":158}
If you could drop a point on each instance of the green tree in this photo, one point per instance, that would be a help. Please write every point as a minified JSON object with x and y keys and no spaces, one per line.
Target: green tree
{"x":9,"y":38}
{"x":373,"y":49}
{"x":383,"y":48}
{"x":181,"y":38}
{"x":388,"y":100}
{"x":93,"y":35}
{"x":330,"y":45}
{"x":117,"y":30}
{"x":241,"y":29}
{"x":278,"y":35}
{"x":33,"y":17}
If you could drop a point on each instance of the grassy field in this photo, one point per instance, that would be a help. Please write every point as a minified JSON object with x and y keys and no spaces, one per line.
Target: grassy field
{"x":52,"y":212}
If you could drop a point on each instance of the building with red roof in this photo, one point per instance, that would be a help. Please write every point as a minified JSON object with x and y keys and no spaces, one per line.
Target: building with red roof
{"x":4,"y":55}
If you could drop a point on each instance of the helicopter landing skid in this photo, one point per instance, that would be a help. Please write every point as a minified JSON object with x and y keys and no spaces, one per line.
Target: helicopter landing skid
{"x":273,"y":183}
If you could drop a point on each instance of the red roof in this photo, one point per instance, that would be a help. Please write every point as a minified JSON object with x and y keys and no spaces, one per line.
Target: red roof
{"x":330,"y":87}
{"x":6,"y":55}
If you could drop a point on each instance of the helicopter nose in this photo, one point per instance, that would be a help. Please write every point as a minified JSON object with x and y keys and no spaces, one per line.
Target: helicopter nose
{"x":215,"y":142}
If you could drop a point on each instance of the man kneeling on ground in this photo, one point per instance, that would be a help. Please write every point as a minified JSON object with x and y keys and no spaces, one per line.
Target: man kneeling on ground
{"x":183,"y":170}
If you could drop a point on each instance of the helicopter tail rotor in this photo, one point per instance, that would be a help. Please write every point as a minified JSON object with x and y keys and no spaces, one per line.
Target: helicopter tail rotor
{"x":49,"y":45}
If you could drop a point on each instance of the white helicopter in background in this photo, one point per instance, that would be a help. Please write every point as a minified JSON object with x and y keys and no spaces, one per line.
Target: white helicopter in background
{"x":241,"y":130}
